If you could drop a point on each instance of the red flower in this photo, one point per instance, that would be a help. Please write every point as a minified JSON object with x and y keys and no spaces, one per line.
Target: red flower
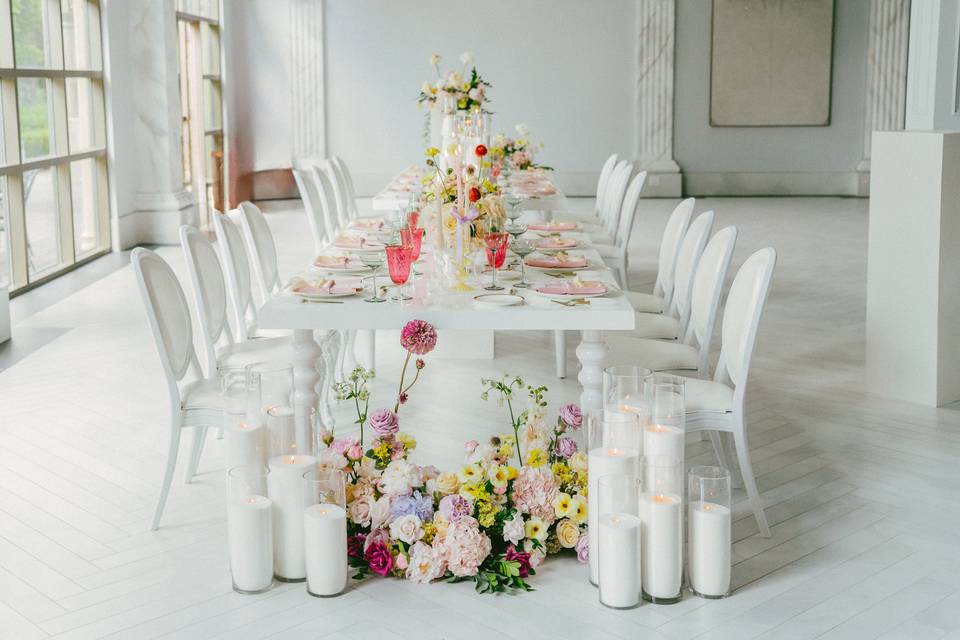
{"x":420,"y":363}
{"x":520,"y":557}
{"x":378,"y":555}
{"x":403,"y":398}
{"x":481,"y":150}
{"x":355,"y":545}
{"x":474,"y":194}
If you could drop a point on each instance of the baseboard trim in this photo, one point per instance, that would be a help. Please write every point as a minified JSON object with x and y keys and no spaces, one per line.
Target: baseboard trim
{"x":154,"y":226}
{"x":780,"y":183}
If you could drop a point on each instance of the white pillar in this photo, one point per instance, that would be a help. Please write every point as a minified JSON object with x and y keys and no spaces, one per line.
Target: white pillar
{"x":306,"y":79}
{"x":913,"y":337}
{"x":886,"y":76}
{"x":932,"y":92}
{"x":655,"y":67}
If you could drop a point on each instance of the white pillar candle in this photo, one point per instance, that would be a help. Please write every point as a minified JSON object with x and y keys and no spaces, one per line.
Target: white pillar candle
{"x":619,"y":561}
{"x":662,"y":440}
{"x":325,"y":539}
{"x":604,"y":461}
{"x":246,"y":444}
{"x":285,"y":486}
{"x":249,"y":533}
{"x":282,"y":426}
{"x":709,"y":549}
{"x":661,"y":538}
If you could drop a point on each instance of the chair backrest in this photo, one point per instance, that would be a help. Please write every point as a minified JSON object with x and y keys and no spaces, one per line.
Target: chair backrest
{"x":328,"y":202}
{"x":670,"y":241}
{"x":688,"y":256}
{"x":339,"y":193}
{"x":616,"y":191}
{"x":168,"y":315}
{"x":351,"y":191}
{"x":604,"y":179}
{"x":236,"y":271}
{"x":209,"y":291}
{"x":628,"y":212}
{"x":262,"y":248}
{"x":741,"y":317}
{"x":705,"y":293}
{"x":311,"y":203}
{"x":603,"y":209}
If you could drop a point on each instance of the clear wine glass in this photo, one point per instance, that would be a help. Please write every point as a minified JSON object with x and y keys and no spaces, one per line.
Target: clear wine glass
{"x":523,"y":247}
{"x":374,"y":260}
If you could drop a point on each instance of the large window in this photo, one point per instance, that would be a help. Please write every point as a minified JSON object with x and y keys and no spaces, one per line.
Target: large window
{"x":201,"y":103}
{"x":54,"y":209}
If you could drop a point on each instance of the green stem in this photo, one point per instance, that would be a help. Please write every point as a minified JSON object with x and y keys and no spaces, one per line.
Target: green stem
{"x":516,"y":430}
{"x":360,"y":418}
{"x":403,"y":374}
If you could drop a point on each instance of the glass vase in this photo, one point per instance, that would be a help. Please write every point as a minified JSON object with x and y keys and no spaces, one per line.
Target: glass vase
{"x":325,"y":531}
{"x":618,"y":541}
{"x":661,"y":512}
{"x":664,"y":435}
{"x":708,"y":531}
{"x":246,"y":441}
{"x":249,"y":529}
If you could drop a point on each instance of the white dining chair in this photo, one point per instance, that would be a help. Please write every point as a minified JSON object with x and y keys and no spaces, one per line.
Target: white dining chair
{"x":615,"y":255}
{"x":692,"y":352}
{"x":602,"y":182}
{"x":719,"y":405}
{"x":673,"y":232}
{"x":195,"y":400}
{"x":328,"y":202}
{"x":342,"y":199}
{"x":603,"y":229}
{"x":671,"y":324}
{"x":311,"y":204}
{"x":221,"y":350}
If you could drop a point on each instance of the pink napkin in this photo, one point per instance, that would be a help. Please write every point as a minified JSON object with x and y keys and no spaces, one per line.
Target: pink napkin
{"x":356,"y":242}
{"x":557,"y":243}
{"x":572,"y":288}
{"x":553,"y":226}
{"x":372,"y":223}
{"x":554,"y":263}
{"x":332,"y":261}
{"x":330,"y":287}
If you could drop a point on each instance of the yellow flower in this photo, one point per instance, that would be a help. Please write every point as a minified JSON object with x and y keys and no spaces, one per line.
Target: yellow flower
{"x":466,"y":86}
{"x":429,"y":531}
{"x":453,"y":149}
{"x":505,"y":450}
{"x":487,"y":513}
{"x":432,"y":151}
{"x":578,"y":461}
{"x":475,"y":490}
{"x":535,"y":528}
{"x":563,"y":473}
{"x":536,"y":458}
{"x":407,"y":440}
{"x":462,"y":103}
{"x":470,"y":473}
{"x":567,"y":533}
{"x":562,"y":504}
{"x":440,"y":524}
{"x":578,"y":510}
{"x":498,"y":475}
{"x":512,"y":471}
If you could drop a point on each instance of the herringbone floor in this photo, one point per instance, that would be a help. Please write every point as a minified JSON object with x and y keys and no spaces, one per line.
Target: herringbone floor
{"x":861,"y":492}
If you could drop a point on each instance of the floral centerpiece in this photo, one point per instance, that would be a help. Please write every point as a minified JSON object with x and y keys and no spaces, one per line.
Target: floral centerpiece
{"x":517,"y":497}
{"x":515,"y":153}
{"x":466,"y":90}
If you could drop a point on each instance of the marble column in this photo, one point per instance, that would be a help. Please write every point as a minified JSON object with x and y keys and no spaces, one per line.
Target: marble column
{"x":161,"y":203}
{"x":656,"y":24}
{"x":885,"y":104}
{"x":307,"y":97}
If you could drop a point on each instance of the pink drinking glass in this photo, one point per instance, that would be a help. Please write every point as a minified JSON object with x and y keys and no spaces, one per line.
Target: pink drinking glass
{"x":398,"y":265}
{"x":496,"y":255}
{"x":413,"y":238}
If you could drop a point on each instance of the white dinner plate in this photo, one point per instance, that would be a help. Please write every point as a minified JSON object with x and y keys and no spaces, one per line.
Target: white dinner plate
{"x":498,"y":299}
{"x":556,"y":249}
{"x":326,"y":296}
{"x":558,"y":269}
{"x":565,"y":297}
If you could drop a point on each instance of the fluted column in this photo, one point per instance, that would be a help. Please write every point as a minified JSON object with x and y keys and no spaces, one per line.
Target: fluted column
{"x":654,"y":119}
{"x":887,"y":44}
{"x":306,"y":78}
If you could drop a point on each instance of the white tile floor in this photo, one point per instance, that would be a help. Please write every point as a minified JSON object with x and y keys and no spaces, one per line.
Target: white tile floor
{"x":860,"y":491}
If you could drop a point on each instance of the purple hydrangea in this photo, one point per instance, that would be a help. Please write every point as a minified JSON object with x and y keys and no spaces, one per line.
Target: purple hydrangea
{"x":455,"y":507}
{"x":414,"y":504}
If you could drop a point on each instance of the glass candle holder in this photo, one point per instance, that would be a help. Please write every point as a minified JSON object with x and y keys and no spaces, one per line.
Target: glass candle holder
{"x":245,"y":436}
{"x":618,"y":541}
{"x":270,"y":388}
{"x":708,"y":531}
{"x":661,"y":511}
{"x":249,"y":529}
{"x":623,"y":389}
{"x":664,"y":435}
{"x":613,"y":448}
{"x":325,"y":531}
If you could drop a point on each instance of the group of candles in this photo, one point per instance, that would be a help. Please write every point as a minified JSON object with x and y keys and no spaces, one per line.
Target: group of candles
{"x":286,"y":517}
{"x":636,"y":498}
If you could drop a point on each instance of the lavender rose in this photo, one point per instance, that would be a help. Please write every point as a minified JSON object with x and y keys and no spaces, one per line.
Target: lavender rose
{"x":384,"y":422}
{"x":583,"y":549}
{"x":566,"y":447}
{"x":570,"y":414}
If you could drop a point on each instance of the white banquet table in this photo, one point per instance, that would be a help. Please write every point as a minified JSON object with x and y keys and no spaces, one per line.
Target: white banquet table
{"x":458,"y":311}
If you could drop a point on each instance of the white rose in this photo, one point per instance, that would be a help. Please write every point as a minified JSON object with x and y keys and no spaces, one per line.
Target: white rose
{"x":466,"y":58}
{"x":426,"y":88}
{"x":406,"y":528}
{"x":448,"y":483}
{"x":400,"y":477}
{"x":360,"y":510}
{"x":380,"y":512}
{"x":330,"y":459}
{"x":513,"y":529}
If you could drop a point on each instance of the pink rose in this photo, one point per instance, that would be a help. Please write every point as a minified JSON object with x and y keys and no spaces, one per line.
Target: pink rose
{"x":379,"y":558}
{"x":471,"y":446}
{"x":384,"y":422}
{"x":355,"y":452}
{"x":401,"y":561}
{"x":570,"y":414}
{"x":341,"y":445}
{"x":566,"y":446}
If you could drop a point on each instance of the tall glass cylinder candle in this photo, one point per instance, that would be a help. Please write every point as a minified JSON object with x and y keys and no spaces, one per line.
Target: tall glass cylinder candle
{"x":285,"y":487}
{"x":664,"y":434}
{"x":249,"y":529}
{"x":273,"y":383}
{"x":245,"y":436}
{"x":618,"y":541}
{"x":708,"y":531}
{"x":661,"y":512}
{"x":325,"y":531}
{"x":623,"y":389}
{"x":613,"y":449}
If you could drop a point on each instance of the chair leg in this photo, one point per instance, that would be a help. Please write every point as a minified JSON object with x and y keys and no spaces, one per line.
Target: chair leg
{"x":749,"y":482}
{"x":625,"y":274}
{"x":560,"y":352}
{"x":717,"y":441}
{"x":622,"y":275}
{"x":168,"y":474}
{"x":199,"y":436}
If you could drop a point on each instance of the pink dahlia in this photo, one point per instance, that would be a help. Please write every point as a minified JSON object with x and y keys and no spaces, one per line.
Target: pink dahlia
{"x":534,"y":491}
{"x":418,"y":336}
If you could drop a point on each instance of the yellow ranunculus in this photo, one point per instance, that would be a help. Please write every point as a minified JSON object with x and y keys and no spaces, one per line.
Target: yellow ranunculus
{"x":512,"y":471}
{"x":578,"y":509}
{"x":536,"y":458}
{"x":562,"y":504}
{"x":535,"y":528}
{"x":567,"y":533}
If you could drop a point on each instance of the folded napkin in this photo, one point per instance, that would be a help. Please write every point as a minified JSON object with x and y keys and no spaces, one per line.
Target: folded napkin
{"x":335,"y":261}
{"x":557,"y":262}
{"x":572,"y":288}
{"x":553,"y":226}
{"x":368,"y":223}
{"x":326,"y":287}
{"x":557,"y":243}
{"x":357,"y":242}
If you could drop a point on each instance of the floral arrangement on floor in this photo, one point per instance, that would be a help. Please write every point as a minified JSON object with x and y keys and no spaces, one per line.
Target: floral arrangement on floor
{"x":515,"y":153}
{"x":517,"y":497}
{"x":467,"y":91}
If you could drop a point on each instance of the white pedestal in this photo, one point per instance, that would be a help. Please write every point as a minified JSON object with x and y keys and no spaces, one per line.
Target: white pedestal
{"x":913,"y":301}
{"x":4,"y":314}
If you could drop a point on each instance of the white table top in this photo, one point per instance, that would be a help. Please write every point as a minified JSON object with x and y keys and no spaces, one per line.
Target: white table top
{"x":447,"y":310}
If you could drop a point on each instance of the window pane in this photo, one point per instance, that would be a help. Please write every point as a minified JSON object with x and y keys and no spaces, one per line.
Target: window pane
{"x":211,"y":103}
{"x":4,"y":235}
{"x":84,"y":188}
{"x":84,"y":128}
{"x":33,"y":96}
{"x":43,"y":220}
{"x":76,"y":34}
{"x":210,"y":46}
{"x":30,"y":28}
